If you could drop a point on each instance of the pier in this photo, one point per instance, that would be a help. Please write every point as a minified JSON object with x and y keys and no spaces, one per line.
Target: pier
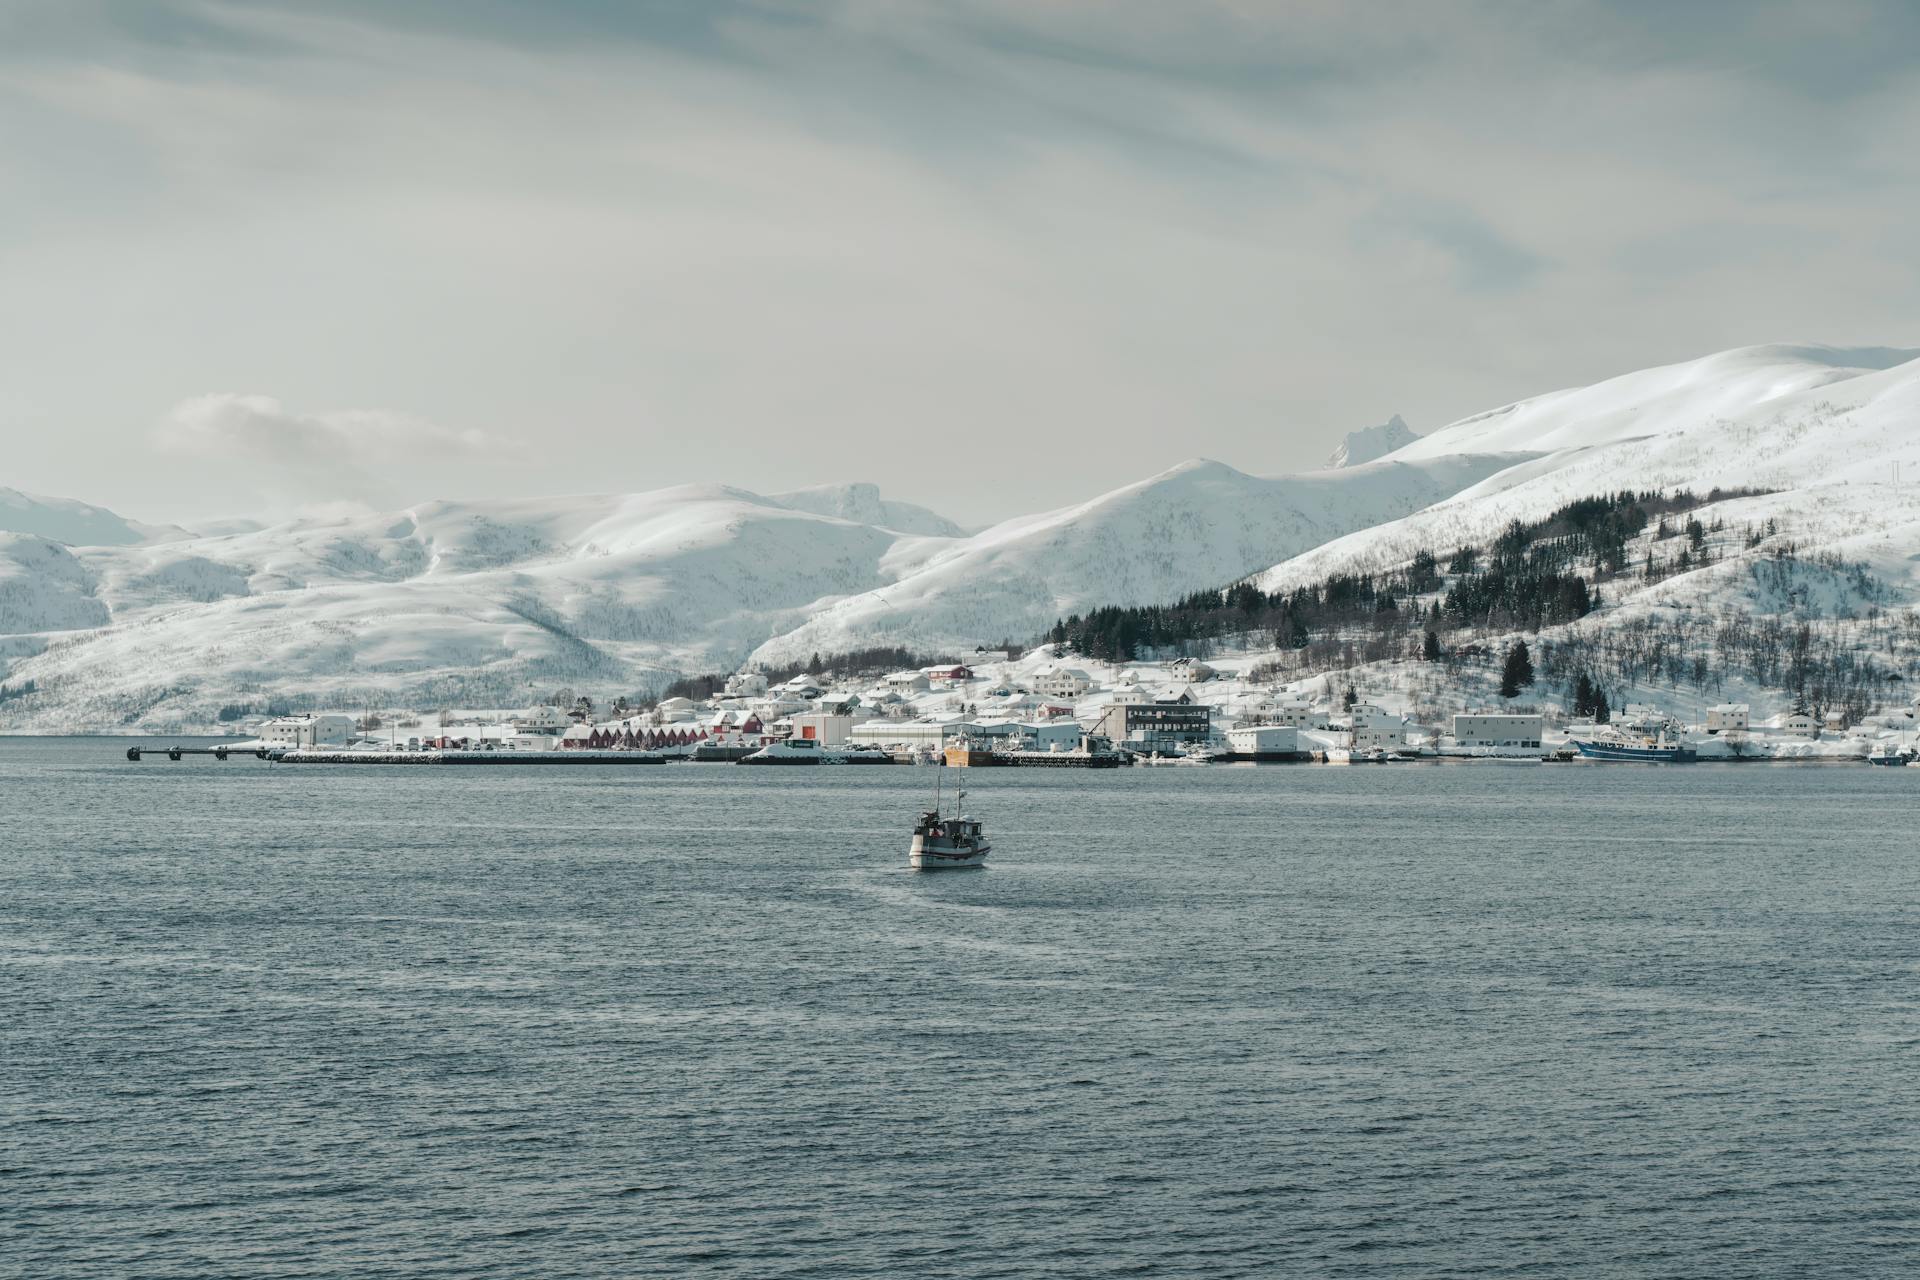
{"x":469,"y":757}
{"x":220,"y":752}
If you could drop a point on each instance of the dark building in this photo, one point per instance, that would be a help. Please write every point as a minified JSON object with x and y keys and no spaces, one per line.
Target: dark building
{"x":1157,"y":726}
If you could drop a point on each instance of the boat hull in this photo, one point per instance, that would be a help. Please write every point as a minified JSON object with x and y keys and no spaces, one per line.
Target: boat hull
{"x":923,"y":858}
{"x":1634,"y":755}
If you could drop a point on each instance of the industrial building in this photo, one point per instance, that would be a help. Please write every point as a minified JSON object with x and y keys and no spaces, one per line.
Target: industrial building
{"x":1157,"y":726}
{"x":1495,"y":730}
{"x":1265,"y":742}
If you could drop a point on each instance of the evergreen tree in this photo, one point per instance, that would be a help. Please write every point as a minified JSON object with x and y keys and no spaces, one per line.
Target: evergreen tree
{"x":1518,"y":672}
{"x":1583,"y":695}
{"x":1350,"y":697}
{"x":1430,"y":647}
{"x":1601,"y":711}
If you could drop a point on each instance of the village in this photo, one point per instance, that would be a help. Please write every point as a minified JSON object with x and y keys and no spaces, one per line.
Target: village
{"x":1039,"y":708}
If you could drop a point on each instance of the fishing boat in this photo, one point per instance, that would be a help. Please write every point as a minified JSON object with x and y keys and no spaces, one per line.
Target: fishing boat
{"x":1642,"y":742}
{"x":947,"y":842}
{"x":1894,"y":756}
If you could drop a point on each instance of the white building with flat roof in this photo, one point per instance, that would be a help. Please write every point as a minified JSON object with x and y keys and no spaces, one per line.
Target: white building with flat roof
{"x":1255,"y":741}
{"x":1494,"y":731}
{"x":315,"y":729}
{"x":822,"y":727}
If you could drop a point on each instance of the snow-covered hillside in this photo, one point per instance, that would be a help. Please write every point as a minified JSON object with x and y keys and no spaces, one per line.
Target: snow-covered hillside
{"x":445,"y":601}
{"x":1199,"y":524}
{"x":1806,"y":421}
{"x":468,"y":602}
{"x":473,"y":602}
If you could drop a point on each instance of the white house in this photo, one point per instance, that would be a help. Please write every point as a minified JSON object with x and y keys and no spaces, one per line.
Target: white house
{"x":775,"y":706}
{"x":547,"y":720}
{"x":675,"y":708}
{"x":322,"y":729}
{"x":1191,"y":670}
{"x":1798,"y":724}
{"x":1489,"y":730}
{"x":1298,"y":714}
{"x":908,"y":682}
{"x":746,"y":684}
{"x":1728,"y":717}
{"x":1053,"y":680}
{"x":1376,"y":727}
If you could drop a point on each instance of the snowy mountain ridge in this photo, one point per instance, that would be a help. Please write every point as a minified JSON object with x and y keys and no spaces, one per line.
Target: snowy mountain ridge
{"x":477,"y":603}
{"x":76,"y":523}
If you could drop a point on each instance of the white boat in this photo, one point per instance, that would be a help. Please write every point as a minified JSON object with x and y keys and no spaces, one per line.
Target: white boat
{"x":943,"y":843}
{"x":786,"y":751}
{"x":1364,"y":755}
{"x":809,"y":751}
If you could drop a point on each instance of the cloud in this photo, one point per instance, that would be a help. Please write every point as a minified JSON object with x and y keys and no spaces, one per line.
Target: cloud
{"x":775,"y":242}
{"x":350,"y":454}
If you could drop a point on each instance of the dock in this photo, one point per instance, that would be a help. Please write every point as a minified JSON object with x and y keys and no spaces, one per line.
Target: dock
{"x":470,"y":757}
{"x":218,"y":752}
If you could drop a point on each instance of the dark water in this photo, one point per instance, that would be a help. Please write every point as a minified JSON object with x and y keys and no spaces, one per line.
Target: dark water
{"x":698,"y":1020}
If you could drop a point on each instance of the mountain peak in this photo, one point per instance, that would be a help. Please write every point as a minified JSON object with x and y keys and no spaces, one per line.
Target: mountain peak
{"x":1370,"y":443}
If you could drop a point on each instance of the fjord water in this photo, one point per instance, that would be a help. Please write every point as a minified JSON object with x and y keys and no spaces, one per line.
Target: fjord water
{"x":699,"y":1020}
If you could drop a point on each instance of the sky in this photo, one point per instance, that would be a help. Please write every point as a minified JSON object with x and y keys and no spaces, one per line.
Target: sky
{"x":998,"y":255}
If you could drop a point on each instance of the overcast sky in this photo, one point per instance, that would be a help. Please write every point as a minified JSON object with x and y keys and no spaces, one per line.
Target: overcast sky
{"x":994,"y":256}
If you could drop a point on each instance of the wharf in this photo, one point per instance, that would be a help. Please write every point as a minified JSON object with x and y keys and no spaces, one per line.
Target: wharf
{"x":470,"y":757}
{"x":219,"y":751}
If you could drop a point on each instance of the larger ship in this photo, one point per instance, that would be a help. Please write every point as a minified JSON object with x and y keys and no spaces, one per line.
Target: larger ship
{"x":1651,"y":740}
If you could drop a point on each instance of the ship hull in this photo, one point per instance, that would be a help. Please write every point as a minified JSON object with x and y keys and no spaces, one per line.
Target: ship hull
{"x":1635,"y":755}
{"x":921,"y":857}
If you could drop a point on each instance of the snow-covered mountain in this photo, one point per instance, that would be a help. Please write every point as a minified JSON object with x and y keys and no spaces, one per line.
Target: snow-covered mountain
{"x":75,"y":523}
{"x":1370,"y":443}
{"x":474,"y":602}
{"x":1828,"y":428}
{"x":1199,"y":524}
{"x":469,"y":601}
